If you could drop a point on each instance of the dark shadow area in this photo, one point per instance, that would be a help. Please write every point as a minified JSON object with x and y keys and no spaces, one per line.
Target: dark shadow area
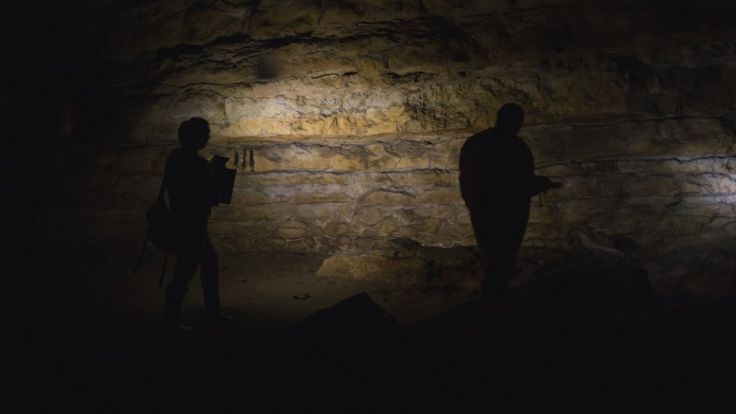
{"x":562,"y":344}
{"x":586,"y":335}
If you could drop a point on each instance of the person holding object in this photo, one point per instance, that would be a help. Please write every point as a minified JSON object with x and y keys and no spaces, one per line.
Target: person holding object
{"x":193,"y":190}
{"x":497,"y":182}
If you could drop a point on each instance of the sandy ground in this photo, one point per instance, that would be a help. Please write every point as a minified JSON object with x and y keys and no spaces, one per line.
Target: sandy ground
{"x":279,"y":288}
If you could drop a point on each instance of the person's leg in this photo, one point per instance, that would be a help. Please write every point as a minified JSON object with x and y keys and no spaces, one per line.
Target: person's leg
{"x":176,"y":290}
{"x":516,"y":227}
{"x":494,"y":269}
{"x":210,"y":280}
{"x":485,"y":231}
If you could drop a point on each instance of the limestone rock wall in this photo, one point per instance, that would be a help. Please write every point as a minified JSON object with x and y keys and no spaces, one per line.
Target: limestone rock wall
{"x":356,"y":111}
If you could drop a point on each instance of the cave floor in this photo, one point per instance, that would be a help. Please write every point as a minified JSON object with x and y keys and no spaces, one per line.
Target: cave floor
{"x":95,"y":337}
{"x":278,"y":289}
{"x":94,"y":344}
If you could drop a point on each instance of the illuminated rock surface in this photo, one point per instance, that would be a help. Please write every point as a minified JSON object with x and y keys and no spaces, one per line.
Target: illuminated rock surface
{"x":356,"y":111}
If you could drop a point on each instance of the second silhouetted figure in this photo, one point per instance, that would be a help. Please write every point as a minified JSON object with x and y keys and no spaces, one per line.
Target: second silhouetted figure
{"x":193,"y":191}
{"x":497,"y":182}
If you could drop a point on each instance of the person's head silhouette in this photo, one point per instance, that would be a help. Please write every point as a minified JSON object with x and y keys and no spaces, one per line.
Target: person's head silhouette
{"x":509,"y":119}
{"x":194,"y":134}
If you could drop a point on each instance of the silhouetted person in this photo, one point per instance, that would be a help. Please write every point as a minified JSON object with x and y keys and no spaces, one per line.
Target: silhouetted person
{"x":193,"y":191}
{"x":497,"y":182}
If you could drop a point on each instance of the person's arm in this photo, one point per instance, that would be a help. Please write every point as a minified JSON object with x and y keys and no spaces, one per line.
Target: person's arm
{"x":539,"y":183}
{"x":217,"y":170}
{"x":203,"y":187}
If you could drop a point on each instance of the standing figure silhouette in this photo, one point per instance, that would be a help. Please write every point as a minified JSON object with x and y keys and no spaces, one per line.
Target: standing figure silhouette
{"x":193,"y":191}
{"x":497,"y":182}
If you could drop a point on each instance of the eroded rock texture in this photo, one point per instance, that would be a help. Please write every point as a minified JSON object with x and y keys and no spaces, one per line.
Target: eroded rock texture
{"x":356,"y":110}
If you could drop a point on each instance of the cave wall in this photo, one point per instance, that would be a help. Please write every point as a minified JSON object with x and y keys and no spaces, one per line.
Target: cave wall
{"x":356,"y":111}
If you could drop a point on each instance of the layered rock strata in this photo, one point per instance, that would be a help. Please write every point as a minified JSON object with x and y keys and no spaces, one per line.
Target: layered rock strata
{"x":356,"y":110}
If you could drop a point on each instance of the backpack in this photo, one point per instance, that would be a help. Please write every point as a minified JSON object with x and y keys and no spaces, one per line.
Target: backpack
{"x":162,"y":230}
